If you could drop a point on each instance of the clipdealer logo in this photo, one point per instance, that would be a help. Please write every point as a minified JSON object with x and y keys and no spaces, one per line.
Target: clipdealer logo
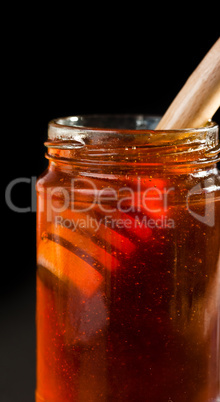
{"x":209,"y":193}
{"x":151,"y":195}
{"x":12,"y":185}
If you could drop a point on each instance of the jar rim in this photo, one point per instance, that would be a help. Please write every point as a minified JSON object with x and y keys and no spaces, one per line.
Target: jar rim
{"x":66,"y":127}
{"x":71,"y":141}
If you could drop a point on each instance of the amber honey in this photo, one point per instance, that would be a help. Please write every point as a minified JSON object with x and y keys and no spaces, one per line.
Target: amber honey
{"x":128,"y":237}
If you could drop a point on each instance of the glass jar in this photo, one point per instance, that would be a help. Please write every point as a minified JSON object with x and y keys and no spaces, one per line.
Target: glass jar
{"x":128,"y":254}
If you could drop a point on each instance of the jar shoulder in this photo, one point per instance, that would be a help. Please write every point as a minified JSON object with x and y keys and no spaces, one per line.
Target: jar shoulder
{"x":56,"y":177}
{"x":182,"y":182}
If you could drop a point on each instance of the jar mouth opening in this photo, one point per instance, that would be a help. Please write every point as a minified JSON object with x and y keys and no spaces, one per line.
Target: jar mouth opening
{"x":93,"y":139}
{"x":136,"y":124}
{"x":131,"y":130}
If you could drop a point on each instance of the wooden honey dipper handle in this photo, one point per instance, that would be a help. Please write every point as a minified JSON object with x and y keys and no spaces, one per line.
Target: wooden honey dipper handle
{"x":199,"y":98}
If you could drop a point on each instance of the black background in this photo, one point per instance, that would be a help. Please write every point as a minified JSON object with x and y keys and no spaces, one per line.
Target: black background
{"x":84,"y":65}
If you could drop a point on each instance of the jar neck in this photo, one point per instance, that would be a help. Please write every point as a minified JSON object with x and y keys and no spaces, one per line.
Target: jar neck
{"x":123,"y":150}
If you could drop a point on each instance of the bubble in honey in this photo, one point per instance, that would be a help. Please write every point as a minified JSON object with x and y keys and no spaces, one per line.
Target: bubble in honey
{"x":44,"y":236}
